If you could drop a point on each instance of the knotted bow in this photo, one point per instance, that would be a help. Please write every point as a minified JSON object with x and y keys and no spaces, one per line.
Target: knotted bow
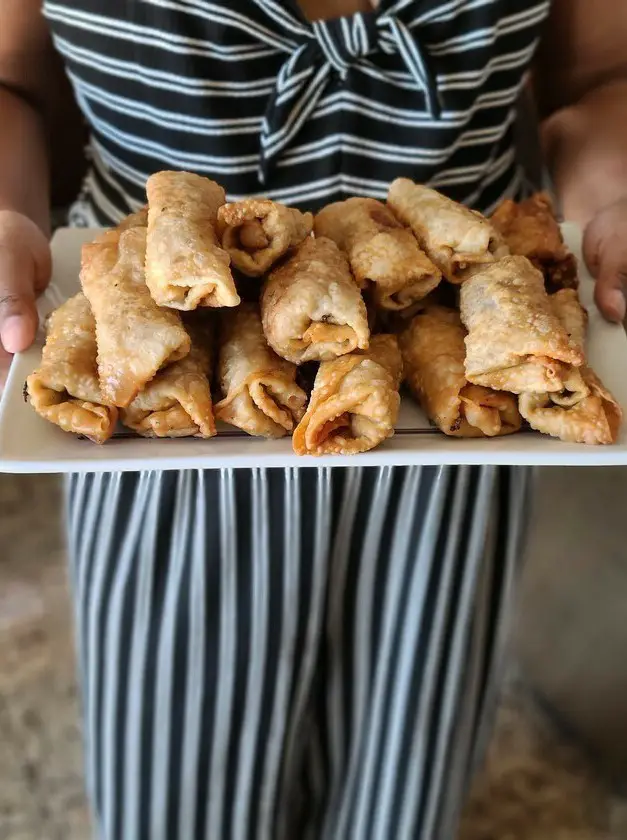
{"x":319,"y":49}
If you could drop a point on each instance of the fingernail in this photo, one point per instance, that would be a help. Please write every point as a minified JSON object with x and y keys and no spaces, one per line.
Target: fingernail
{"x":14,"y":334}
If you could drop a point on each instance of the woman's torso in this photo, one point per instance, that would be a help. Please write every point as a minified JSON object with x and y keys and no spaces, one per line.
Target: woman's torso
{"x":252,"y":94}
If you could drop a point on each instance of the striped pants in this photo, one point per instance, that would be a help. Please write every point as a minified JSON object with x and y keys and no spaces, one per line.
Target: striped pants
{"x":287,"y":654}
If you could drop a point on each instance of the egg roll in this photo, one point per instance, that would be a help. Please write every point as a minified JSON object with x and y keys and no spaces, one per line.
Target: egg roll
{"x":380,"y":251}
{"x":452,"y":236}
{"x":65,"y":389}
{"x":177,"y":402}
{"x":588,"y":415}
{"x":515,"y":341}
{"x":135,"y":336}
{"x":185,"y":265}
{"x":311,"y":307}
{"x":354,"y":403}
{"x":530,"y":229}
{"x":257,"y":232}
{"x":261,"y":395}
{"x":433,"y":354}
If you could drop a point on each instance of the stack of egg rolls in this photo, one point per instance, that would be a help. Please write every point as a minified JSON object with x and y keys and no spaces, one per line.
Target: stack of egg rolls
{"x":485,"y":351}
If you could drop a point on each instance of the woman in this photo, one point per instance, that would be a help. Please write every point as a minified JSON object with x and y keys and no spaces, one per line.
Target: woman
{"x":286,"y":654}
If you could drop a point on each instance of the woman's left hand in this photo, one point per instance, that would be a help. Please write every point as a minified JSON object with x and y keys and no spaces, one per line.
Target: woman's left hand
{"x":605,"y":253}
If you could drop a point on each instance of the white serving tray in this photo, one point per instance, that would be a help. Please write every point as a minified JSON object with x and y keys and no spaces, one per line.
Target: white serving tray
{"x":29,"y":444}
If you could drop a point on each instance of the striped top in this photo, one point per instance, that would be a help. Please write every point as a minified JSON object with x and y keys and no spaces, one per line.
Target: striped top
{"x":252,"y":94}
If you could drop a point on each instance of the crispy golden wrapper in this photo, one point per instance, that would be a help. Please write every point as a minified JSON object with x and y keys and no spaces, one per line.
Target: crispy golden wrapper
{"x":354,"y":403}
{"x":311,"y":307}
{"x":588,"y":415}
{"x":257,"y":232}
{"x":260,"y":391}
{"x":531,"y":230}
{"x":433,"y":353}
{"x":138,"y":219}
{"x":595,"y":419}
{"x":185,"y":265}
{"x":515,"y":341}
{"x":380,"y":251}
{"x":453,"y":236}
{"x":65,"y":389}
{"x":135,"y":336}
{"x":177,"y":402}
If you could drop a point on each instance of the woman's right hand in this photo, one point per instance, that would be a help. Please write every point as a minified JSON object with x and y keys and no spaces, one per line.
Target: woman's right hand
{"x":25,"y":266}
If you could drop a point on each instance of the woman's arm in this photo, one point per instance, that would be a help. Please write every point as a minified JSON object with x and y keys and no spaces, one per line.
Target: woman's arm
{"x":27,"y":81}
{"x":581,"y":89}
{"x":27,"y":62}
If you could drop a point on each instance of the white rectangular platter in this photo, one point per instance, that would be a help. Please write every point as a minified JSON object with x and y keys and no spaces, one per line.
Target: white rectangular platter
{"x":28,"y":444}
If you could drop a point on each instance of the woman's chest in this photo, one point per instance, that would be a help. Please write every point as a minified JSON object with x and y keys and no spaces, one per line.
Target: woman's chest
{"x":328,"y":9}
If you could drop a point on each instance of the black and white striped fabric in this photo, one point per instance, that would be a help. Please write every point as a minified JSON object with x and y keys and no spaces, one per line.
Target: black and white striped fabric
{"x":252,"y":94}
{"x":290,"y":654}
{"x":287,"y":654}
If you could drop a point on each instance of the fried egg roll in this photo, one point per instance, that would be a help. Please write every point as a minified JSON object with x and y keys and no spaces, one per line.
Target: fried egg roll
{"x":354,"y":403}
{"x":135,"y":336}
{"x":380,"y":251}
{"x":588,"y":415}
{"x":453,"y":236}
{"x":311,"y":307}
{"x":530,"y":229}
{"x":177,"y":402}
{"x":515,"y":341}
{"x":261,"y":395}
{"x":433,"y":353}
{"x":65,"y":389}
{"x":185,"y":265}
{"x":257,"y":232}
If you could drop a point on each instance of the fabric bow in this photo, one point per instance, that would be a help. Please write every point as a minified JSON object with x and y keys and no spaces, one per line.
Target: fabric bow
{"x":321,"y":48}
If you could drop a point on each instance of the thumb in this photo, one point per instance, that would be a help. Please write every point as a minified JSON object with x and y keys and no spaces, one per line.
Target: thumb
{"x":609,"y":292}
{"x":605,"y":253}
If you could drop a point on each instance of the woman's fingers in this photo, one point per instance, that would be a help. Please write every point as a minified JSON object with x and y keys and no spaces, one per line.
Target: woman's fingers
{"x":18,"y":315}
{"x":605,"y":252}
{"x":25,"y":267}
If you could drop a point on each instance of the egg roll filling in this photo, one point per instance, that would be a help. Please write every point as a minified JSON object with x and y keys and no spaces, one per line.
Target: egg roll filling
{"x":257,"y":232}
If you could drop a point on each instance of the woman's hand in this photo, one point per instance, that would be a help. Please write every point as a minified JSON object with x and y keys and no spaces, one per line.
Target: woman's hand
{"x":25,"y":266}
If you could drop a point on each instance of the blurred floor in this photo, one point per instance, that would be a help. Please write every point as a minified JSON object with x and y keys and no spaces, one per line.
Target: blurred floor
{"x":537,"y":784}
{"x":572,"y":629}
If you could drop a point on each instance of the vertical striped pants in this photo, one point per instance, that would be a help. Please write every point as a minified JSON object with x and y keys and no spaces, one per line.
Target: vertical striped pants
{"x":285,"y":654}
